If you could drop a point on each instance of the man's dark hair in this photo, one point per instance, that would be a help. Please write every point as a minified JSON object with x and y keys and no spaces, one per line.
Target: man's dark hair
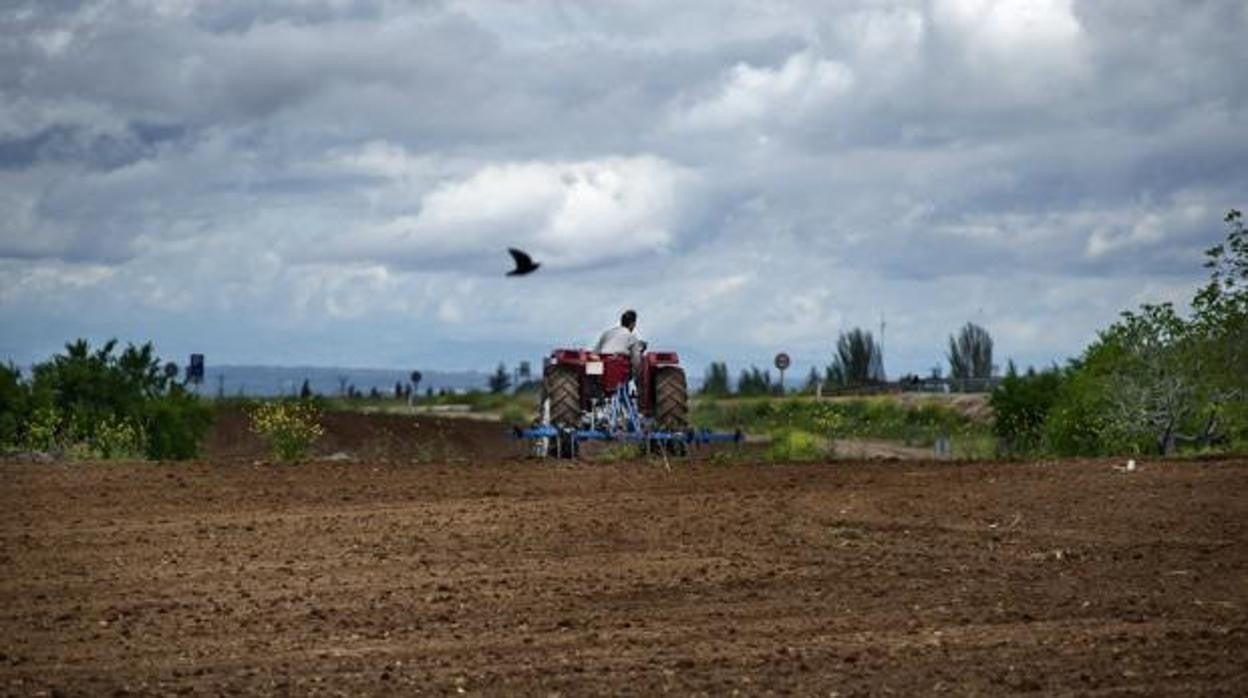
{"x":629,"y":319}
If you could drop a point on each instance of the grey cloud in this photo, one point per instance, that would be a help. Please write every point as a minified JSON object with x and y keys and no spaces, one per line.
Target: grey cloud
{"x":1096,"y":152}
{"x":75,"y":144}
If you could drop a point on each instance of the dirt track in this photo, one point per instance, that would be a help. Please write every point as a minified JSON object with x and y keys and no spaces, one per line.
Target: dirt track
{"x":526,"y":577}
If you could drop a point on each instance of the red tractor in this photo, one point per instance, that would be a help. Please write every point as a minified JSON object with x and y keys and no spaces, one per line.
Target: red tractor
{"x":575,"y":379}
{"x":589,"y":396}
{"x":606,"y":397}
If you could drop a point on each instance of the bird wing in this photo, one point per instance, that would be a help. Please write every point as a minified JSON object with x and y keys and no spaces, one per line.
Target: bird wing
{"x":523,"y":260}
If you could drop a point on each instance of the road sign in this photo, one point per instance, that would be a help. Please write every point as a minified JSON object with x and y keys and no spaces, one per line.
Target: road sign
{"x":782,"y":361}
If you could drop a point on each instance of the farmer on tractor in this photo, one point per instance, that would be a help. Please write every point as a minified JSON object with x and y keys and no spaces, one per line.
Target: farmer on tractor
{"x":623,"y":339}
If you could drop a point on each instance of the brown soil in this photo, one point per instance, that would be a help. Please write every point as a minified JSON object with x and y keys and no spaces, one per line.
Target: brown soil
{"x":382,"y":437}
{"x":874,"y":448}
{"x":528,"y":577}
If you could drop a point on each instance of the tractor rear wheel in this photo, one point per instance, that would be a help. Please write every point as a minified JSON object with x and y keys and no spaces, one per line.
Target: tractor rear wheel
{"x":671,"y":400}
{"x":670,"y":410}
{"x":563,"y":389}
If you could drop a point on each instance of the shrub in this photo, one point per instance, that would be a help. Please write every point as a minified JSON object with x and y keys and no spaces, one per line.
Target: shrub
{"x":117,"y":438}
{"x":42,"y":432}
{"x":98,"y":403}
{"x":513,"y":414}
{"x":176,"y":425}
{"x":290,"y":428}
{"x":795,"y":445}
{"x":15,"y":405}
{"x":1021,"y":404}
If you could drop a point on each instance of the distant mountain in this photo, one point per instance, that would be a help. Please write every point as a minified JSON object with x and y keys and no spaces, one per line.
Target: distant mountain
{"x":265,"y":381}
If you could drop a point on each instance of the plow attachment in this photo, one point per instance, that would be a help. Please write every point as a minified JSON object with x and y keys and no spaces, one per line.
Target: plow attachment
{"x":616,"y":419}
{"x":564,"y":442}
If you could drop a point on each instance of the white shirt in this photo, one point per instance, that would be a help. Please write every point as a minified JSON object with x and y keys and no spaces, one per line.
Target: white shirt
{"x":617,"y":340}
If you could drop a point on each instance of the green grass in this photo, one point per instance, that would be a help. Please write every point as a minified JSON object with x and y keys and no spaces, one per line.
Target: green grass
{"x":867,"y":418}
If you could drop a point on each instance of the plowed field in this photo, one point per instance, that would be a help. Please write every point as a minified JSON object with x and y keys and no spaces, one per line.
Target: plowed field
{"x":507,"y":576}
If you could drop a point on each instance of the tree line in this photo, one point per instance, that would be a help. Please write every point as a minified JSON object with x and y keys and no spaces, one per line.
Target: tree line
{"x":857,"y":361}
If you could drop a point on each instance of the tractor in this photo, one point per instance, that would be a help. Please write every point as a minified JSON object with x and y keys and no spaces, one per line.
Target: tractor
{"x":605,"y":397}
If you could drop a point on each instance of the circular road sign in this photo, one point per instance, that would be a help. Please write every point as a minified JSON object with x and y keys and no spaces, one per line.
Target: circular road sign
{"x":782,"y":361}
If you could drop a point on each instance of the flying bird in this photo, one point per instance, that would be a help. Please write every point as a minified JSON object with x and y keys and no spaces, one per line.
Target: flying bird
{"x":524,"y":263}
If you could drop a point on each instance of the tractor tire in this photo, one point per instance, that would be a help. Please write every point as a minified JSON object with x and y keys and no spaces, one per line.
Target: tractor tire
{"x":563,"y":389}
{"x":671,"y":400}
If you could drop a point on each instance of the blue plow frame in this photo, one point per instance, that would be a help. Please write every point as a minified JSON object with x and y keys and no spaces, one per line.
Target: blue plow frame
{"x":631,"y":427}
{"x":692,"y":436}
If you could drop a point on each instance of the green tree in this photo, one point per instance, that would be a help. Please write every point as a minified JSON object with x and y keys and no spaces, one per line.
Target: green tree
{"x":716,"y":382}
{"x":1220,"y":335}
{"x":970,"y":353}
{"x":1155,"y":380}
{"x":1136,"y":389}
{"x":858,"y":360}
{"x":833,"y":377}
{"x":755,"y":382}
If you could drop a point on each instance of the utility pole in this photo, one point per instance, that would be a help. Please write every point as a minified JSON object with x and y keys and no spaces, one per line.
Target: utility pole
{"x":882,"y":326}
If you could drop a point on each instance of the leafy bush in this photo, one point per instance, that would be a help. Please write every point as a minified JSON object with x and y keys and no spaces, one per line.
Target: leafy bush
{"x":98,"y":403}
{"x":1021,"y":405}
{"x":176,"y":425}
{"x":795,"y":445}
{"x":87,"y":386}
{"x":15,"y":405}
{"x":513,"y":414}
{"x":289,"y":428}
{"x":42,"y":432}
{"x":118,"y":438}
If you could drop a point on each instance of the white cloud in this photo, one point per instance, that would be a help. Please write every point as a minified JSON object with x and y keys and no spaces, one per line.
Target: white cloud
{"x":1029,"y":49}
{"x":567,"y":214}
{"x":1012,"y":25}
{"x":803,"y":86}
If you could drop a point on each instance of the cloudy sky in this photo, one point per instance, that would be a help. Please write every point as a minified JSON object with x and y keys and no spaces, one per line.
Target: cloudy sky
{"x":337,"y":181}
